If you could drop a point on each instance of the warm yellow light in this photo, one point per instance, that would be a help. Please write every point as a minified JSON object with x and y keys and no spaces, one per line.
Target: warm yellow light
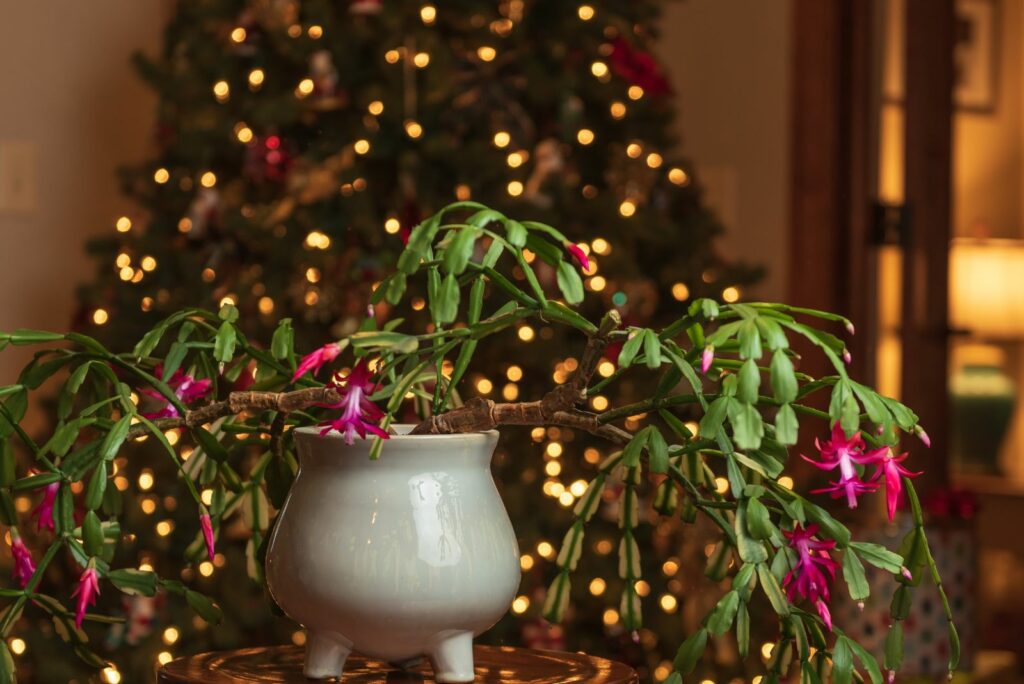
{"x":148,"y":263}
{"x":526,"y":561}
{"x":634,"y":150}
{"x":206,"y":568}
{"x":266,"y":305}
{"x":566,"y":499}
{"x":515,"y":188}
{"x":171,"y":635}
{"x":164,"y":657}
{"x":520,"y":605}
{"x":502,"y":139}
{"x":663,"y":670}
{"x":642,"y":587}
{"x":585,"y":12}
{"x":526,"y":333}
{"x":146,"y":304}
{"x":428,"y":14}
{"x":606,"y":369}
{"x":392,"y":225}
{"x":123,"y":224}
{"x":238,"y":34}
{"x":766,"y":649}
{"x":680,"y":292}
{"x":208,"y":179}
{"x":421,"y":59}
{"x":545,"y":549}
{"x":599,"y":69}
{"x":207,"y":496}
{"x":514,"y":373}
{"x":208,"y":275}
{"x":100,"y":316}
{"x":618,"y":110}
{"x":110,"y":675}
{"x":668,"y":603}
{"x":600,"y":246}
{"x":486,"y":53}
{"x":635,"y":92}
{"x":361,"y":146}
{"x":610,"y":616}
{"x":604,"y":547}
{"x":585,"y":136}
{"x":678,"y":176}
{"x":578,"y":488}
{"x":627,"y":208}
{"x":164,"y":528}
{"x":313,"y":274}
{"x":17,"y":646}
{"x":146,"y":480}
{"x":318,"y":240}
{"x":554,"y":450}
{"x":731,"y":294}
{"x":392,"y":56}
{"x":786,"y":481}
{"x":376,"y":108}
{"x":553,"y":468}
{"x":670,"y":567}
{"x":654,"y":160}
{"x":597,"y":283}
{"x":294,"y":31}
{"x":599,"y":402}
{"x":510,"y":392}
{"x":484,"y":386}
{"x":161,"y":176}
{"x":123,"y":260}
{"x":221,"y":90}
{"x":315,"y":31}
{"x":463,"y":192}
{"x":228,"y":300}
{"x":721,"y":485}
{"x":515,"y":159}
{"x":311,"y":297}
{"x":413,"y":129}
{"x":256,"y":77}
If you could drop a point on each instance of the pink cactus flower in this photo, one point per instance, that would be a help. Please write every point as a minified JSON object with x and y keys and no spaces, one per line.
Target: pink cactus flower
{"x":359,"y":415}
{"x":923,"y":436}
{"x":706,"y":358}
{"x":847,"y":357}
{"x":24,"y":566}
{"x":87,"y":591}
{"x":842,"y":452}
{"x":185,"y":387}
{"x":578,"y":255}
{"x":316,"y":360}
{"x":44,"y":511}
{"x":889,"y":468}
{"x":850,"y":329}
{"x":207,"y":525}
{"x":814,"y":570}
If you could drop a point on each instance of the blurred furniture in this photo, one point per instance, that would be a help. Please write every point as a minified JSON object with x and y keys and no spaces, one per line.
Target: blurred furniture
{"x":283,"y":664}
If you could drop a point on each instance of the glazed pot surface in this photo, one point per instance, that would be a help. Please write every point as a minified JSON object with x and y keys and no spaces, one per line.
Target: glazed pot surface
{"x":395,"y":556}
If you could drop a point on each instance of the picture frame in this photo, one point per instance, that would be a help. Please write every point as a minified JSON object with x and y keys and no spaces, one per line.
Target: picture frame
{"x":976,"y":56}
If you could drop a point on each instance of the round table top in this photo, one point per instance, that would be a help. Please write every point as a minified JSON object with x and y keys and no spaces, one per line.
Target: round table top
{"x":283,"y":664}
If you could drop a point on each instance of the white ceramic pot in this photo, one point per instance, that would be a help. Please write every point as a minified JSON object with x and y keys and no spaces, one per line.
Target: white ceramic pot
{"x":412,"y":554}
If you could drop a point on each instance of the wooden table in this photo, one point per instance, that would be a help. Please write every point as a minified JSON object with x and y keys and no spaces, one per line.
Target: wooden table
{"x":283,"y":664}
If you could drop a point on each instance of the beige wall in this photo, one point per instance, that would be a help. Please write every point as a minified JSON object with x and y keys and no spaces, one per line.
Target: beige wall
{"x":730,"y":65}
{"x":71,"y":111}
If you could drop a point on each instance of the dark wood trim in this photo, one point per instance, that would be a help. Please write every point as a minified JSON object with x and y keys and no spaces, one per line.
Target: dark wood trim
{"x":928,"y":168}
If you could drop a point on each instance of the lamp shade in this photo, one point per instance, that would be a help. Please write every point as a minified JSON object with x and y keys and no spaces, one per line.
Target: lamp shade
{"x":986,"y":287}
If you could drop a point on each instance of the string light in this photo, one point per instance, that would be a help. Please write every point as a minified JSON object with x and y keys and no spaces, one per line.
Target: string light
{"x":238,"y":34}
{"x":635,"y":92}
{"x":164,"y":657}
{"x":627,"y":208}
{"x":463,"y":192}
{"x":585,"y":136}
{"x":601,"y":246}
{"x":484,"y":386}
{"x":486,"y":53}
{"x":680,"y":292}
{"x":243,"y":133}
{"x":585,"y":12}
{"x":545,"y":550}
{"x":554,"y":450}
{"x":222,"y":91}
{"x":668,"y":603}
{"x":375,"y":108}
{"x":599,"y":403}
{"x":313,"y":274}
{"x":428,"y":14}
{"x":634,"y":150}
{"x":526,"y":561}
{"x":526,"y":333}
{"x":17,"y":646}
{"x":618,"y":110}
{"x":315,"y":31}
{"x":654,"y":160}
{"x":110,"y":675}
{"x":515,"y":188}
{"x":553,"y":468}
{"x":164,"y":528}
{"x":208,"y":275}
{"x":413,"y":129}
{"x":421,"y":59}
{"x":206,"y":568}
{"x":670,"y":567}
{"x":606,"y":369}
{"x":520,"y":605}
{"x":361,"y":146}
{"x":256,"y":77}
{"x":266,"y":306}
{"x":294,"y":31}
{"x":148,"y":263}
{"x":597,"y":283}
{"x":185,"y":225}
{"x":514,"y":373}
{"x":786,"y":481}
{"x":161,"y":176}
{"x":123,"y":224}
{"x":610,"y":616}
{"x":100,"y":316}
{"x":599,"y":69}
{"x":731,"y":294}
{"x":721,"y":485}
{"x":502,"y":139}
{"x":317,"y":240}
{"x":392,"y":56}
{"x":677,"y":176}
{"x":515,"y":159}
{"x":208,"y":179}
{"x":392,"y":225}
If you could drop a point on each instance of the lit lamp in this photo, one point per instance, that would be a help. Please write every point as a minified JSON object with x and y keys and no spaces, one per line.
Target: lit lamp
{"x":986,"y":301}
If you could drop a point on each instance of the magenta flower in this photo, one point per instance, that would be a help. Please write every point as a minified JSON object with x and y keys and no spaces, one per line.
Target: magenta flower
{"x":207,"y":525}
{"x":578,"y":255}
{"x":185,"y":387}
{"x":706,"y":358}
{"x":923,"y":436}
{"x":316,"y":360}
{"x":847,"y":357}
{"x":359,"y":414}
{"x":889,"y":467}
{"x":44,"y":511}
{"x":850,"y":329}
{"x":87,"y":591}
{"x":842,"y":452}
{"x":24,"y":566}
{"x":814,"y":570}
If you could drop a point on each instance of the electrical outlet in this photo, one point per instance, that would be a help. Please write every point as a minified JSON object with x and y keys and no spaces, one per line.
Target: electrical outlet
{"x":17,"y":176}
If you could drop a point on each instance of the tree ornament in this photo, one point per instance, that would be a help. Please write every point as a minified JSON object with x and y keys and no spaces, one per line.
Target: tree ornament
{"x":366,"y":7}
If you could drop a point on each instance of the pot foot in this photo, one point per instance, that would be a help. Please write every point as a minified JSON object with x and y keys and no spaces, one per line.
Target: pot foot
{"x":452,"y":657}
{"x":407,"y":664}
{"x":326,"y":653}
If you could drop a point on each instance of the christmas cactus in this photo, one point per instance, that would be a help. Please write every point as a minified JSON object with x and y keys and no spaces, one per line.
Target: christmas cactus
{"x":710,"y":439}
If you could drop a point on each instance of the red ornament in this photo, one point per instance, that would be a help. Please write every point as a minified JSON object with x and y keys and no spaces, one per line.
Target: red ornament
{"x":638,"y":68}
{"x":268,"y":160}
{"x":366,"y":6}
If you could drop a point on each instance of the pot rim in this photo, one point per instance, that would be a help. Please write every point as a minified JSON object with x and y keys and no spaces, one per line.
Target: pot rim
{"x":314,"y":430}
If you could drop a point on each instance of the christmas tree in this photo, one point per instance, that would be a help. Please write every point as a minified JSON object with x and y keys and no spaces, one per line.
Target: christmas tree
{"x":299,"y":143}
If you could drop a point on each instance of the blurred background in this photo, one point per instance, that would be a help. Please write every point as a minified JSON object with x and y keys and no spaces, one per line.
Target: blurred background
{"x":860,"y":156}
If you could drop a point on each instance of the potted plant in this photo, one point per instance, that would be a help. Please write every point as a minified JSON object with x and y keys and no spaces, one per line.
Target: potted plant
{"x":391,"y":538}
